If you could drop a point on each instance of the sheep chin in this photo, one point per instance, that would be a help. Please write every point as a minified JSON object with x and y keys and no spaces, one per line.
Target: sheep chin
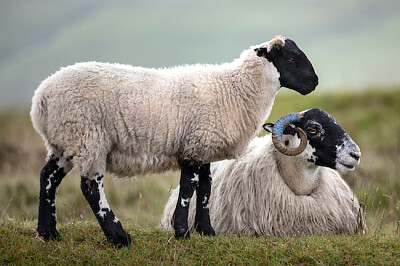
{"x":343,"y":167}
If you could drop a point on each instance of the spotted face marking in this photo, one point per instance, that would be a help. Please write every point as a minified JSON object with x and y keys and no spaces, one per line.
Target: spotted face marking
{"x":331,"y":146}
{"x":348,"y":156}
{"x":328,"y":144}
{"x":326,"y":137}
{"x":309,"y":154}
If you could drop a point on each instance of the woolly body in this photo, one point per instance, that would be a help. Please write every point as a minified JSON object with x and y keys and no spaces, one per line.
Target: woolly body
{"x":132,"y":120}
{"x":137,"y":120}
{"x":255,"y":195}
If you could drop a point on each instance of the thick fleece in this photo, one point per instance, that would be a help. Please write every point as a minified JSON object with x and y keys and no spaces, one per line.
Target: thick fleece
{"x":255,"y":195}
{"x":134,"y":120}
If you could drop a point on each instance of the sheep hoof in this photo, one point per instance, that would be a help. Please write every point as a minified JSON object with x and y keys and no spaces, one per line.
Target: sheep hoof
{"x":182,"y":233}
{"x":49,"y":234}
{"x":205,"y":230}
{"x":121,"y":239}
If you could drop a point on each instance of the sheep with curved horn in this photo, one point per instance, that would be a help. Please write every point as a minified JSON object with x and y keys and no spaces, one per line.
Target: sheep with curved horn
{"x":266,"y":192}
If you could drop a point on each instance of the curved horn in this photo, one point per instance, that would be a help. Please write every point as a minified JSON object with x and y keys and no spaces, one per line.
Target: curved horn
{"x":277,"y":133}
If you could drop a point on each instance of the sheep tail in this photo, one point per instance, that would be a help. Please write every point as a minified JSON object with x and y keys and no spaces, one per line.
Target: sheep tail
{"x":39,"y":116}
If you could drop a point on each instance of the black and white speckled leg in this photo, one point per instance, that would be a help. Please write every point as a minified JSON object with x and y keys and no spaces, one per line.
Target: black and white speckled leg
{"x":188,"y":183}
{"x":50,"y":178}
{"x":202,"y":219}
{"x":93,"y":190}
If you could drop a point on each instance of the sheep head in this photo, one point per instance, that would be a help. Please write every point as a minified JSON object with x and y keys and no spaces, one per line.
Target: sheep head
{"x":295,"y":70}
{"x":323,"y":141}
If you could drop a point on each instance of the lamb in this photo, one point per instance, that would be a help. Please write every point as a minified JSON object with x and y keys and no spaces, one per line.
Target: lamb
{"x":98,"y":117}
{"x":279,"y":189}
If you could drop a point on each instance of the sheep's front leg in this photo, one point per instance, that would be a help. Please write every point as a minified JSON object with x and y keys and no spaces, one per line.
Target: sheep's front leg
{"x":50,"y":178}
{"x":93,"y":191}
{"x":202,"y":220}
{"x":188,"y":183}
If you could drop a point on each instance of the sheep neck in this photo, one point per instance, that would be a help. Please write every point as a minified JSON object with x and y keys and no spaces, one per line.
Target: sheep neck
{"x":256,"y":82}
{"x":302,"y":178}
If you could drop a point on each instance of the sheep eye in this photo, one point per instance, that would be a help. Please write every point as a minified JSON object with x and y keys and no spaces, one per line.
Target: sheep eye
{"x":290,"y":60}
{"x":313,"y":130}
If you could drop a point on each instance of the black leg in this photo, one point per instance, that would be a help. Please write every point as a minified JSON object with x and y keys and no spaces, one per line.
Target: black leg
{"x":50,"y":178}
{"x":188,"y":183}
{"x":93,"y":191}
{"x":202,"y":219}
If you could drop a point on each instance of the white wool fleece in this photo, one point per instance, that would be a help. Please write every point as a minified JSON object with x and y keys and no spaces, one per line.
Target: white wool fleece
{"x":251,"y":197}
{"x":134,"y":120}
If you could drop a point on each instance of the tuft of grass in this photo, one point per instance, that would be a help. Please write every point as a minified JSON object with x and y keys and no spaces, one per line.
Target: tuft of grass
{"x":84,"y":243}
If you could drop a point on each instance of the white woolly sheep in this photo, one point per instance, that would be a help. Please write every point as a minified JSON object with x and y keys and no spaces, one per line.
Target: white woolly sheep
{"x":266,"y":192}
{"x":99,"y":117}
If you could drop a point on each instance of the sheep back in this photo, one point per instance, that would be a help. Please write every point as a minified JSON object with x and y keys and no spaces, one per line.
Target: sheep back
{"x":136,"y":120}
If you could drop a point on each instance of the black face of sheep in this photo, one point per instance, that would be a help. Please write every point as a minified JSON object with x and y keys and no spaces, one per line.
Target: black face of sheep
{"x":326,"y":143}
{"x":296,"y":71}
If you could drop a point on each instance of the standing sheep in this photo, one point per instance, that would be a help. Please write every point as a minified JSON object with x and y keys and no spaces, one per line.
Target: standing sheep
{"x":98,"y":117}
{"x":266,"y":192}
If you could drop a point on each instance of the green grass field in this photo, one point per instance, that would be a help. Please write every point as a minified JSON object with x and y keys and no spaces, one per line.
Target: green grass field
{"x":83,"y":243}
{"x":372,"y":119}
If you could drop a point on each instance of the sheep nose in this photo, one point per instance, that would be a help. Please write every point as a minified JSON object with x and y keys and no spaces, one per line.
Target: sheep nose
{"x":355,"y":155}
{"x":315,"y":82}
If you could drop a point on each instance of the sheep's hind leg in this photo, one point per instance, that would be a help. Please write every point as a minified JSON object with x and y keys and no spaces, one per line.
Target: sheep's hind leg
{"x":202,"y":219}
{"x":93,"y":190}
{"x":188,"y":183}
{"x":51,"y":176}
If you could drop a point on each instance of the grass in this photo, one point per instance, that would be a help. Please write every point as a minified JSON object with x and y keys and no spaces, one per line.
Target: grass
{"x":371,"y":118}
{"x":84,"y":243}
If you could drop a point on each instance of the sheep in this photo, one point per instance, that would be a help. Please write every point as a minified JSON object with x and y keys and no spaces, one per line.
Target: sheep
{"x":267,"y":192}
{"x":97,"y":117}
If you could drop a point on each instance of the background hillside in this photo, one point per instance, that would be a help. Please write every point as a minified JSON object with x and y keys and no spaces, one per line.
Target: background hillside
{"x":352,"y":44}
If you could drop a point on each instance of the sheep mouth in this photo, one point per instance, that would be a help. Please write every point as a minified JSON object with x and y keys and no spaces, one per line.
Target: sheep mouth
{"x":307,"y":89}
{"x":348,"y":166}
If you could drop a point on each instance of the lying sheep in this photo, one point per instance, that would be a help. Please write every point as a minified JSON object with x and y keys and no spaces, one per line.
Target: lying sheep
{"x":98,"y":117}
{"x":267,"y":192}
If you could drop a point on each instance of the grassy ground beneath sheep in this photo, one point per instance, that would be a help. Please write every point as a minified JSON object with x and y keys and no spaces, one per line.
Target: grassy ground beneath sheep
{"x":84,"y":243}
{"x":372,"y":119}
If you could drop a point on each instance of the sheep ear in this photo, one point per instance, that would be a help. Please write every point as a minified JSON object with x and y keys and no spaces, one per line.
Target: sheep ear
{"x":268,"y":127}
{"x":261,"y":51}
{"x":276,"y":42}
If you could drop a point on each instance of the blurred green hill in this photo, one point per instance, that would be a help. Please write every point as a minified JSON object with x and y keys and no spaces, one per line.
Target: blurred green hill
{"x":352,"y":44}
